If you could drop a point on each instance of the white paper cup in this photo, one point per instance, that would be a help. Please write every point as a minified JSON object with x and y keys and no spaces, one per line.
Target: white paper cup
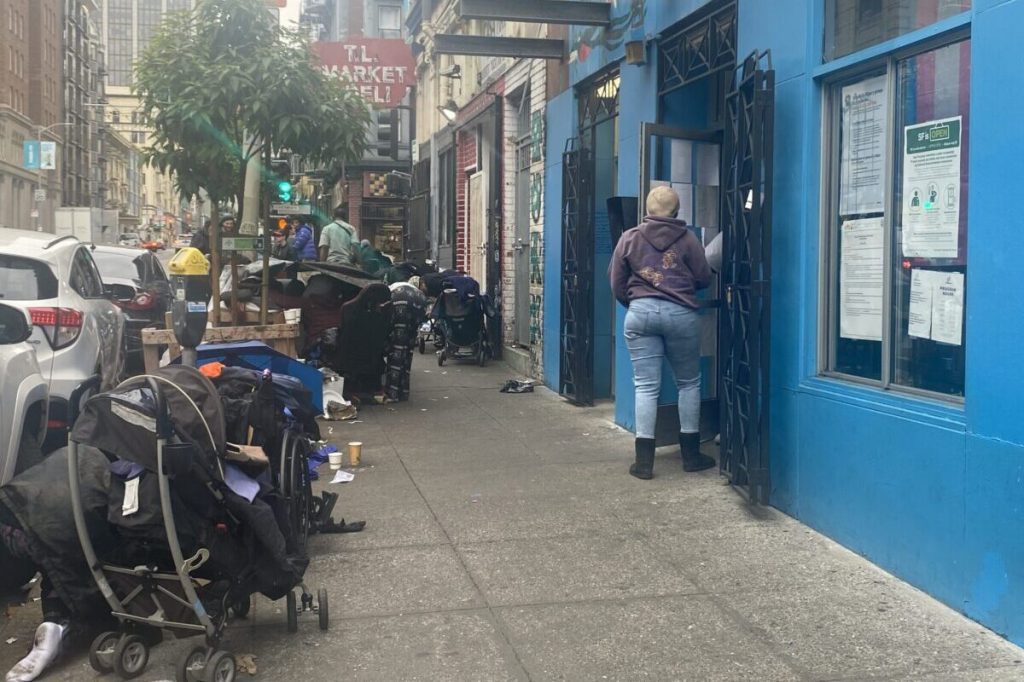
{"x":335,"y":460}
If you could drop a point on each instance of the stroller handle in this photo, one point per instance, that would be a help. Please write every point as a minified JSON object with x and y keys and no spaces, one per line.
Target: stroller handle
{"x":164,"y":428}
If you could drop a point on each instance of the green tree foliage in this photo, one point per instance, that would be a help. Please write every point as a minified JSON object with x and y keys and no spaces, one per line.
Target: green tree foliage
{"x":218,"y":82}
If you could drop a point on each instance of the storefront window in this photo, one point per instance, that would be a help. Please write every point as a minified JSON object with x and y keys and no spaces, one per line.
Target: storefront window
{"x":897,"y":237}
{"x":852,"y":25}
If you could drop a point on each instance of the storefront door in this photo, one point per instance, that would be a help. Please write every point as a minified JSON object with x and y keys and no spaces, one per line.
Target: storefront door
{"x":689,"y":161}
{"x":478,"y":228}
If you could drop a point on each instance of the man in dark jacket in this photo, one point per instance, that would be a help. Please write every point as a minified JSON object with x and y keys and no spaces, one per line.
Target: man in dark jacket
{"x":656,"y":271}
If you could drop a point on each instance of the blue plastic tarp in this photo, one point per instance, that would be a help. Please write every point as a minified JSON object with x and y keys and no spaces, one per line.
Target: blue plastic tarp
{"x":260,"y":356}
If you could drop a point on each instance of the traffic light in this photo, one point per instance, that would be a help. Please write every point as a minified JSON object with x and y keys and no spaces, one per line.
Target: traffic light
{"x":284,"y":191}
{"x":282,"y":223}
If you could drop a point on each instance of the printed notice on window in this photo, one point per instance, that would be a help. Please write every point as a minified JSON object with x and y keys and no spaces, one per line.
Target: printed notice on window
{"x":936,"y":306}
{"x":862,"y":160}
{"x":931,"y":189}
{"x":860,"y":279}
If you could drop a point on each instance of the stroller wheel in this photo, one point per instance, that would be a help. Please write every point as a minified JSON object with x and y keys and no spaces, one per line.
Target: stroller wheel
{"x":440,"y":359}
{"x":221,"y":667}
{"x":423,"y":345}
{"x":321,"y":608}
{"x":101,"y":653}
{"x":481,"y":357}
{"x":292,"y":611}
{"x":130,"y":657}
{"x":241,"y":607}
{"x":192,"y":665}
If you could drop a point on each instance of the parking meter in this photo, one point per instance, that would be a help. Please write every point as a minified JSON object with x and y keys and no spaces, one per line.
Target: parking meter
{"x":190,"y":281}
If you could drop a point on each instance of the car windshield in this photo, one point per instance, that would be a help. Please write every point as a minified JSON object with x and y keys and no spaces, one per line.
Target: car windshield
{"x":124,"y":265}
{"x":24,"y":279}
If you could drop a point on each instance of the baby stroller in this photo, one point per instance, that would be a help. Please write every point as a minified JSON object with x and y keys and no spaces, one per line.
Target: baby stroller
{"x":463,"y":327}
{"x":197,"y":534}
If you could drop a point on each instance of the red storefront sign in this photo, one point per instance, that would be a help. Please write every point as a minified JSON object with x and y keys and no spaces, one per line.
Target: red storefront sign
{"x":382,"y":70}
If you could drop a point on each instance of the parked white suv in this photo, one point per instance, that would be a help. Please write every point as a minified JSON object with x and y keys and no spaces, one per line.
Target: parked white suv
{"x":23,"y":408}
{"x":78,"y":331}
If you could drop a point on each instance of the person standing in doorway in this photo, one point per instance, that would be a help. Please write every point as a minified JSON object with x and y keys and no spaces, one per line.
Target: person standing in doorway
{"x":656,"y":271}
{"x":338,"y":240}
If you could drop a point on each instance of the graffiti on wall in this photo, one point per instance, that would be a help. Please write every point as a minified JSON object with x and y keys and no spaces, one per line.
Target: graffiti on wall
{"x":536,"y":196}
{"x":537,"y":136}
{"x":611,"y":37}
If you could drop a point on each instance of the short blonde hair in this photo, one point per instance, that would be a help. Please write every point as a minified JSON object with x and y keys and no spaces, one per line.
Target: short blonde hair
{"x":663,"y":202}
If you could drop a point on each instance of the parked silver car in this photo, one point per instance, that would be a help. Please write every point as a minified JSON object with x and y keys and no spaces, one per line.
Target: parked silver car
{"x":25,"y":395}
{"x":78,"y":331}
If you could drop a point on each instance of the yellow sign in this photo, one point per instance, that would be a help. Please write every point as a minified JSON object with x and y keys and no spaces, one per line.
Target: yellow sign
{"x":189,"y":261}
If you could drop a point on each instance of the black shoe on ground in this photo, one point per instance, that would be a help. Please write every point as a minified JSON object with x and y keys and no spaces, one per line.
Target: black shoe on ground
{"x":693,"y":458}
{"x":643,"y":468}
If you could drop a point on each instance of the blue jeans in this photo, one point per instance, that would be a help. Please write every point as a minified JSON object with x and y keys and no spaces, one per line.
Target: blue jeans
{"x":656,"y":330}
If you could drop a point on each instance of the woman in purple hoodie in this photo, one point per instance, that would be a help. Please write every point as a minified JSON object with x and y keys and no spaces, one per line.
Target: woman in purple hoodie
{"x":656,"y":271}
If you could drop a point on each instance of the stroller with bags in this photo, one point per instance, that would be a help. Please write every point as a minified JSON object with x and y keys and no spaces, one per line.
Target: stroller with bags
{"x":198,"y":533}
{"x":462,"y":321}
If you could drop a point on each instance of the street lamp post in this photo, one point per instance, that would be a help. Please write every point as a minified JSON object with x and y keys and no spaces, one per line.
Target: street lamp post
{"x":40,"y":130}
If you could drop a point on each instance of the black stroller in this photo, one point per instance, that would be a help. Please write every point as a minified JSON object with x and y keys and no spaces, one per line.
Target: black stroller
{"x":197,"y":534}
{"x":462,"y":322}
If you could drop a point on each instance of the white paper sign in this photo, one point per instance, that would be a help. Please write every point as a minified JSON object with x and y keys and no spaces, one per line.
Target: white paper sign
{"x":948,"y":308}
{"x":860,"y":279}
{"x":862,"y":161}
{"x":931,"y":189}
{"x":936,"y":306}
{"x":919,"y":316}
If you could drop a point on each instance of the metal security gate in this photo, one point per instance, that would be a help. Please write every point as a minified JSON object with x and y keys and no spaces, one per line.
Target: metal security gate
{"x":746,"y":278}
{"x":576,"y":377}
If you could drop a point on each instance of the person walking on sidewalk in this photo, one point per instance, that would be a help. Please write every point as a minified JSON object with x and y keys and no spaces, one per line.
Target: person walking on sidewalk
{"x":656,"y":271}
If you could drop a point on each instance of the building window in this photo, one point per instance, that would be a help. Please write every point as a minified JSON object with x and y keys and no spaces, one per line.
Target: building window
{"x":852,"y":25}
{"x":389,"y":21}
{"x":896,"y":233}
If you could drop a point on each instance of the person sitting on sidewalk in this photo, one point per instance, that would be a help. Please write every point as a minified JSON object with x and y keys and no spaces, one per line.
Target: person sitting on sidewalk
{"x":656,"y":270}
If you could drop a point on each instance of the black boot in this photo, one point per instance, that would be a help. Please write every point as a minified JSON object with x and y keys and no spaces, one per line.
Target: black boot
{"x":693,"y":458}
{"x":644,"y":466}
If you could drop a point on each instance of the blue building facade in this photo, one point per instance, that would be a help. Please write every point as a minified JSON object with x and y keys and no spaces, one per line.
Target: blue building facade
{"x":894,"y":384}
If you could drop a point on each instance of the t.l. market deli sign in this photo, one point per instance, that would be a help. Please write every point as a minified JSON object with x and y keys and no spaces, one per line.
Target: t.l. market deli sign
{"x":382,"y":70}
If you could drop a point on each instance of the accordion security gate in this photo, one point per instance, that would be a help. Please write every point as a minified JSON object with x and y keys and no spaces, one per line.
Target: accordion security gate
{"x":745,"y":329}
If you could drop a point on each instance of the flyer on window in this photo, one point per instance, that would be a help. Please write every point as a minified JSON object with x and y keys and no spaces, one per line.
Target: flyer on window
{"x":862,"y":160}
{"x":936,"y":306}
{"x":861,"y":271}
{"x":931,"y":189}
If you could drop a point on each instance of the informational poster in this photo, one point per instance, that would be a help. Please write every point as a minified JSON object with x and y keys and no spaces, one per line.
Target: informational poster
{"x":862,"y":160}
{"x":948,"y":308}
{"x":931,"y":189}
{"x":936,"y":306}
{"x":860,"y":279}
{"x":919,"y":315}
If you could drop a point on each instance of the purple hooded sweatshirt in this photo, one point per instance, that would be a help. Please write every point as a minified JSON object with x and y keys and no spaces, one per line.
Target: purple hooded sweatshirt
{"x":660,"y":258}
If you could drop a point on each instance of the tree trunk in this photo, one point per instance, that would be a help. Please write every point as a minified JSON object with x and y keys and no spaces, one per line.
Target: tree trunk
{"x":215,"y":261}
{"x":265,"y":280}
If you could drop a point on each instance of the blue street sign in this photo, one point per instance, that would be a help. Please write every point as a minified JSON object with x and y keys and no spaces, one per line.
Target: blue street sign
{"x":30,"y":155}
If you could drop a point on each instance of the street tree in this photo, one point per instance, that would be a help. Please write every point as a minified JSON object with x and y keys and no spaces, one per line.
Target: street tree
{"x":224,"y":83}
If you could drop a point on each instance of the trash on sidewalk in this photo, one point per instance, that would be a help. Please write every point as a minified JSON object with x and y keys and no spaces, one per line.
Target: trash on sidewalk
{"x":246,"y":663}
{"x":318,"y":457}
{"x":340,"y":411}
{"x":518,"y":386}
{"x":11,"y":640}
{"x":342,"y":476}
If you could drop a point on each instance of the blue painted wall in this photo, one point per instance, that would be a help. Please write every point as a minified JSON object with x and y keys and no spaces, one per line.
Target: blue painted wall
{"x":560,"y":124}
{"x":931,"y":492}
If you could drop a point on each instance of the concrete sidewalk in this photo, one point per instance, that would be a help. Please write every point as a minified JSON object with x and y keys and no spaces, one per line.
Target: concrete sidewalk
{"x":505,"y":541}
